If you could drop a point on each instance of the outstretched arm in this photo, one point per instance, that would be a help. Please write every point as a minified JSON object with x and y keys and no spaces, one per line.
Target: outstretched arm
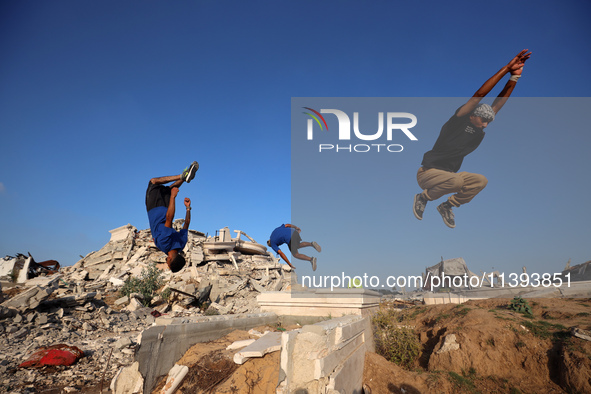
{"x":515,"y":69}
{"x":515,"y":65}
{"x":285,"y":258}
{"x":188,"y":215}
{"x":171,"y":207}
{"x":288,"y":225}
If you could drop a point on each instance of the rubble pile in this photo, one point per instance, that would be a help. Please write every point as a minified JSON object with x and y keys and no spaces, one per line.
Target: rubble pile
{"x":81,"y":305}
{"x":215,"y":271}
{"x":55,"y":313}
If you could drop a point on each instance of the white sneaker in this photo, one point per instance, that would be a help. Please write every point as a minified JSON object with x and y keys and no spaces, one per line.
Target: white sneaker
{"x":317,"y":247}
{"x":313,"y":261}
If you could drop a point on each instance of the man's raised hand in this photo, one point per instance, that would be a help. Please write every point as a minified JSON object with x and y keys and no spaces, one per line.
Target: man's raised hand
{"x":187,"y":202}
{"x":516,"y":64}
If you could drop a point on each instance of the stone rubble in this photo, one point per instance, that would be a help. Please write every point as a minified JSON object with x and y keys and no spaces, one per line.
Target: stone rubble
{"x":81,"y":305}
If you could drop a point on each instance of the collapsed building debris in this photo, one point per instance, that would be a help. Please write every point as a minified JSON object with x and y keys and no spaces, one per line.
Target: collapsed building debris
{"x":81,"y":305}
{"x":21,"y":268}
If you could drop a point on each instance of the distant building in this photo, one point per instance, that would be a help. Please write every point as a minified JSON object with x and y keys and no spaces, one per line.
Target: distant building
{"x":578,"y":272}
{"x":448,"y":275}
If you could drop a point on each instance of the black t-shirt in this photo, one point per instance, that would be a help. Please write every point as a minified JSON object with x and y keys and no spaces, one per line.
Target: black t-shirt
{"x":458,"y":138}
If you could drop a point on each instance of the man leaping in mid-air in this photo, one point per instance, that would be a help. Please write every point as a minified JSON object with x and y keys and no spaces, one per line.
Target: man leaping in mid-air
{"x":160,"y":204}
{"x":290,"y":234}
{"x":459,"y":136}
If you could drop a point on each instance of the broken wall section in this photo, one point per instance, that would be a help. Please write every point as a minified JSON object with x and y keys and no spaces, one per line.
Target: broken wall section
{"x":326,"y":357}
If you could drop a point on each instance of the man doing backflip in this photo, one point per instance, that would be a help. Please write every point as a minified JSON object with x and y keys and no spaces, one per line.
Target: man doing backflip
{"x":461,"y":135}
{"x":160,"y":204}
{"x":290,"y":234}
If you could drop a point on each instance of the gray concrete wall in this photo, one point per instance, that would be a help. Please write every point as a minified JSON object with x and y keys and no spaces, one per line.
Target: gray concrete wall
{"x":161,"y":346}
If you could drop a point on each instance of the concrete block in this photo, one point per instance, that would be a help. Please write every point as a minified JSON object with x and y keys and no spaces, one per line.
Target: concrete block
{"x":7,"y":265}
{"x":128,"y":380}
{"x":29,"y":299}
{"x":325,"y":357}
{"x":122,"y":300}
{"x":116,"y":282}
{"x":121,"y":233}
{"x":107,"y":272}
{"x":79,"y":276}
{"x":348,"y":376}
{"x":353,"y":328}
{"x":134,"y":305}
{"x":271,"y":342}
{"x":44,"y":281}
{"x":326,"y":365}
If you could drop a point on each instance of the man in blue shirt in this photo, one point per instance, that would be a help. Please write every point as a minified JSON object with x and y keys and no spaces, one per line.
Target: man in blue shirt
{"x":290,"y":235}
{"x":160,"y":204}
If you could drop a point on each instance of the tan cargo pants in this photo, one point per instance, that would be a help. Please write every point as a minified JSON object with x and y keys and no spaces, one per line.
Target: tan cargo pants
{"x":437,"y":183}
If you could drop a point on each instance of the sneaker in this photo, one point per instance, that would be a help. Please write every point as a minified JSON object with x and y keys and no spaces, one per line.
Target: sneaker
{"x":313,"y":261}
{"x":189,"y":172}
{"x":418,"y":206}
{"x":447,"y":214}
{"x":316,"y":246}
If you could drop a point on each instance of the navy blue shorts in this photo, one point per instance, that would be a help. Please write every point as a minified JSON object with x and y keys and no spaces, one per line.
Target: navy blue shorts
{"x":294,"y":242}
{"x":157,"y":196}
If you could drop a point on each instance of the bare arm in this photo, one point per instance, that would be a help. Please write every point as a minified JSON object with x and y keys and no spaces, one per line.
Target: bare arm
{"x":515,"y":69}
{"x":285,"y":258}
{"x":513,"y":66}
{"x":188,"y":214}
{"x":288,"y":225}
{"x":171,"y":207}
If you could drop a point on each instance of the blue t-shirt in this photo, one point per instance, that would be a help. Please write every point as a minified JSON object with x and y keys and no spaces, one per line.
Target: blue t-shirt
{"x":281,"y":235}
{"x":165,"y":238}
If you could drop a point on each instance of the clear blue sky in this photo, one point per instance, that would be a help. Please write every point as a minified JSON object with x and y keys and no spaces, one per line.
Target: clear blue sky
{"x":98,"y":97}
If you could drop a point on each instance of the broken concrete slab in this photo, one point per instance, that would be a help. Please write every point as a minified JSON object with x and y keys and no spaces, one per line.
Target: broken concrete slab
{"x":271,"y":342}
{"x":29,"y":299}
{"x":44,"y":281}
{"x":580,"y":333}
{"x":128,"y":380}
{"x":314,"y":360}
{"x":239,"y":344}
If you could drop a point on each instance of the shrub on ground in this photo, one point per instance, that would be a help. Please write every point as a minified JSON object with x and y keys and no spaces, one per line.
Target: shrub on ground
{"x":148,"y":282}
{"x":395,"y":342}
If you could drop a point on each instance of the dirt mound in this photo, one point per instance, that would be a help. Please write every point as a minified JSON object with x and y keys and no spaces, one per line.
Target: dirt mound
{"x":483,"y":346}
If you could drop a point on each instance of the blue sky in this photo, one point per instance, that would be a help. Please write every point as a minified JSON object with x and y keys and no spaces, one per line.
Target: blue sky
{"x":98,"y":97}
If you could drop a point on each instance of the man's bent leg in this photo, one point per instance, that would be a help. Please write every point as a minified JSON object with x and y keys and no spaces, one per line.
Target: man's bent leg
{"x":472,"y":185}
{"x":166,"y":179}
{"x":437,"y":183}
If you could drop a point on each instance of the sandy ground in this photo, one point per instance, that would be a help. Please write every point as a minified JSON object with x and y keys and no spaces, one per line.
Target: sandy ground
{"x":501,"y":351}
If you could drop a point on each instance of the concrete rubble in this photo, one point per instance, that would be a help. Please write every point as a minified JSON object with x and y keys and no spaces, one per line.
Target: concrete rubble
{"x":81,"y":304}
{"x":270,"y":342}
